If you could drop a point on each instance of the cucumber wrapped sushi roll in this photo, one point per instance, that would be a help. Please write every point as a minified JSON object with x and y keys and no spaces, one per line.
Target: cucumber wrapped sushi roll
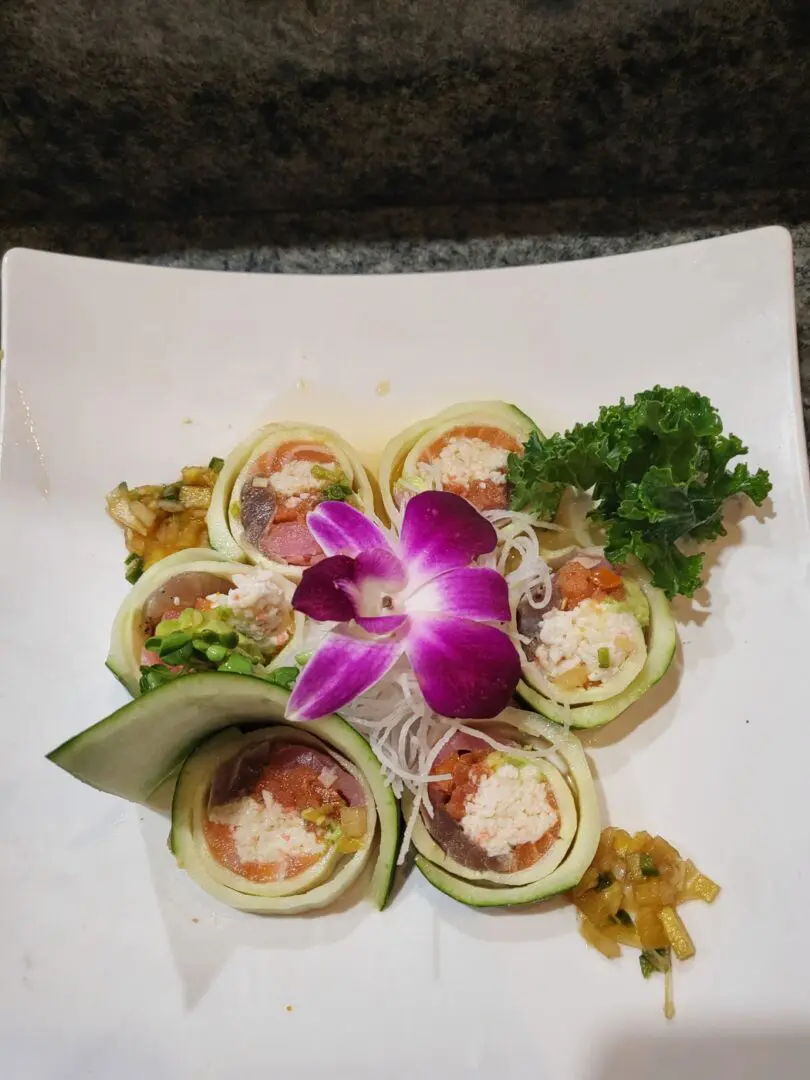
{"x":268,"y":485}
{"x":464,"y":449}
{"x":594,"y":639}
{"x":197,"y":610}
{"x":274,"y":819}
{"x":512,"y":817}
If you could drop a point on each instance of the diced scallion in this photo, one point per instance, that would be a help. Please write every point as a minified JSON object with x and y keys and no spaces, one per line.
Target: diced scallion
{"x":283,"y":676}
{"x":603,"y":656}
{"x":134,"y":565}
{"x":648,"y":868}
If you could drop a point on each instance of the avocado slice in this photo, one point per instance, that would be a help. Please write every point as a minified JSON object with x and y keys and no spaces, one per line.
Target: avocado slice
{"x":134,"y":752}
{"x":403,"y":450}
{"x":567,"y":873}
{"x":662,"y":638}
{"x":225,"y":530}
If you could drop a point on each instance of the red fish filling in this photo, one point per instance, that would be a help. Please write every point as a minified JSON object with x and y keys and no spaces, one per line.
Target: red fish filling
{"x":467,"y":768}
{"x":273,"y":524}
{"x":294,"y":777}
{"x":484,"y":494}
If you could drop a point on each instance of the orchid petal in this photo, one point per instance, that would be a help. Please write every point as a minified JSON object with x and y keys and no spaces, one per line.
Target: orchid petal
{"x":442,"y":531}
{"x":472,"y":592}
{"x":343,"y":667}
{"x":381,"y":565}
{"x":340,"y":529}
{"x":380,"y":624}
{"x":466,"y":670}
{"x":325,"y":591}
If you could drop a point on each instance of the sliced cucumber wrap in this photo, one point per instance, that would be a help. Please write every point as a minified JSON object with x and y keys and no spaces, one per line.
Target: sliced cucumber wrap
{"x":126,"y":639}
{"x":578,"y":711}
{"x":565,"y":862}
{"x":135,"y":751}
{"x":225,"y":530}
{"x":400,"y":456}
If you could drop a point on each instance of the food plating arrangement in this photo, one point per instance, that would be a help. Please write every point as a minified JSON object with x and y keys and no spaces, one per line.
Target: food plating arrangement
{"x":339,"y":670}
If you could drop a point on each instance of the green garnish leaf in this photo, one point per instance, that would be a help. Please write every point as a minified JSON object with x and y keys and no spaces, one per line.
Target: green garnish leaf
{"x":320,"y":472}
{"x":284,"y":677}
{"x":134,"y":565}
{"x":174,"y":641}
{"x":153,"y":676}
{"x":648,"y":867}
{"x":603,"y":881}
{"x":646,"y":965}
{"x":336,"y":486}
{"x":654,"y":960}
{"x":215,"y":464}
{"x":658,"y":469}
{"x":179,"y":656}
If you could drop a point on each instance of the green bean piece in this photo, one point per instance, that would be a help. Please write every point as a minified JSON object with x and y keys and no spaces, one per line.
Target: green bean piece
{"x":176,"y":640}
{"x":238,"y":664}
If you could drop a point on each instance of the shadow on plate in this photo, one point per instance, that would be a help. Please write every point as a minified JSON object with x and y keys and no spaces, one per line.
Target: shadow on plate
{"x":697,"y":609}
{"x":770,"y":1053}
{"x":203,"y":934}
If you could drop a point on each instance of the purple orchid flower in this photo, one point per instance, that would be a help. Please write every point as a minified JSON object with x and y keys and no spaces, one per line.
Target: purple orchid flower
{"x":424,"y":600}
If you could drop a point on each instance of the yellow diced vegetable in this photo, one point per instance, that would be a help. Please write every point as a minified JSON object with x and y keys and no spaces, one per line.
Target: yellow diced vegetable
{"x":697,"y":886}
{"x":599,"y":905}
{"x":640,"y":843}
{"x":678,"y":935}
{"x":142,"y":513}
{"x":194,"y":474}
{"x":624,"y":935}
{"x":650,"y":930}
{"x":621,"y":842}
{"x":346,"y":845}
{"x":353,"y":821}
{"x":634,"y":867}
{"x":654,"y":892}
{"x":664,"y":854}
{"x":607,"y":947}
{"x":589,"y":880}
{"x":193,"y":496}
{"x":573,"y":679}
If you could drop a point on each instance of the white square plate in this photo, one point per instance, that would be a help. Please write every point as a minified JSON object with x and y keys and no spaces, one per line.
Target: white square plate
{"x":113,"y":963}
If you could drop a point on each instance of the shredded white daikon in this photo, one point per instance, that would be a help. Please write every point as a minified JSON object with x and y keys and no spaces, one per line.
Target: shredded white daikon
{"x":518,"y":556}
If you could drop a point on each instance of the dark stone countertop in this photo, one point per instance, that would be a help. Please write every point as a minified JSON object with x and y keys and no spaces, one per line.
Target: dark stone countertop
{"x":132,"y":109}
